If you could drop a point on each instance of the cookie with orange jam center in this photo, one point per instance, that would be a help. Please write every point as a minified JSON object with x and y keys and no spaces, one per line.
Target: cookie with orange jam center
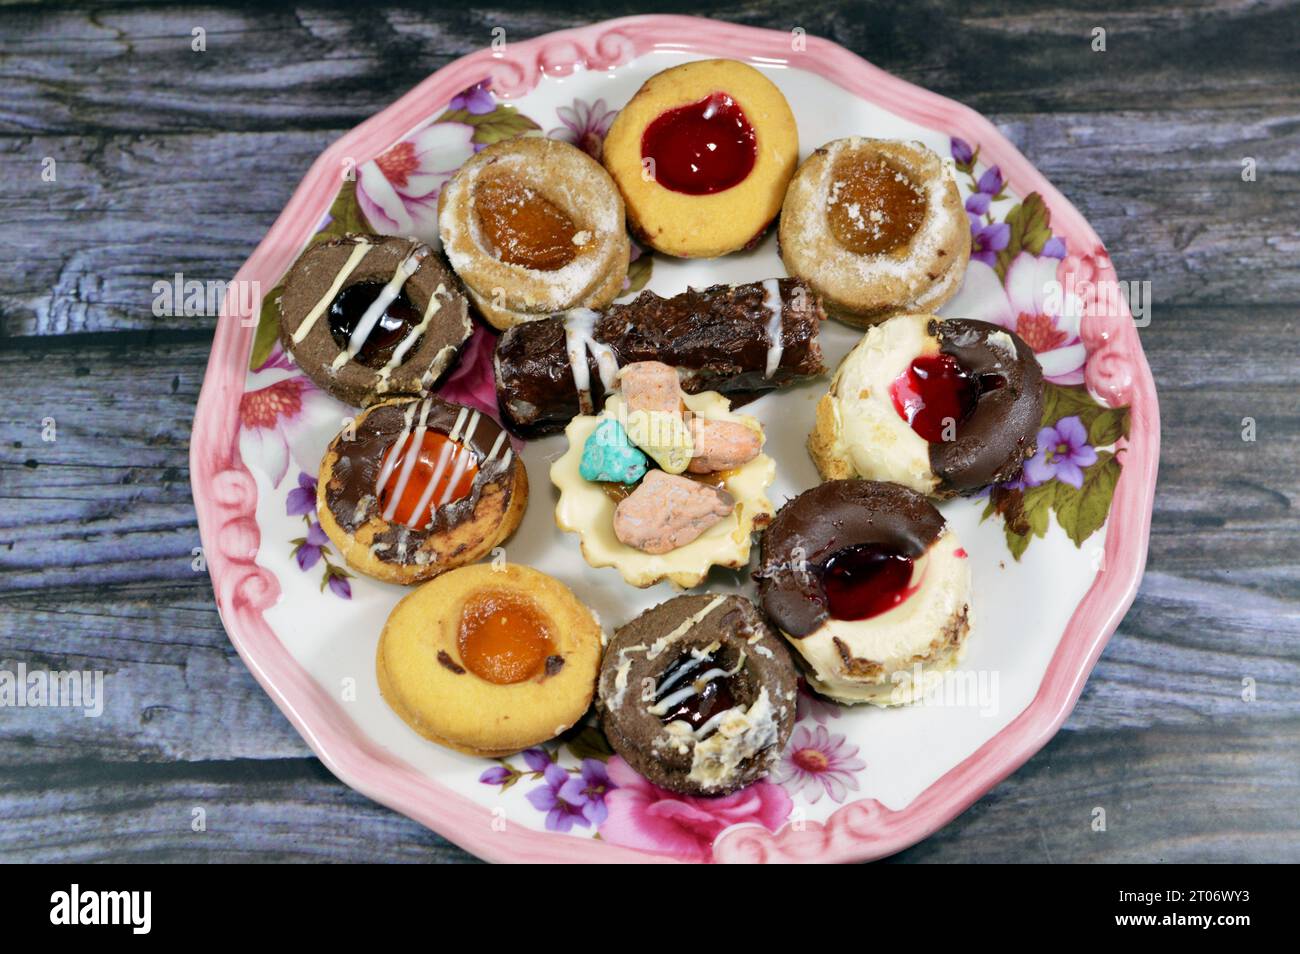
{"x":489,"y":660}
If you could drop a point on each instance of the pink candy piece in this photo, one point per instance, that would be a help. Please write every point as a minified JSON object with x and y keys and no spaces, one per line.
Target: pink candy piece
{"x":667,"y":512}
{"x":721,"y":445}
{"x":651,"y":386}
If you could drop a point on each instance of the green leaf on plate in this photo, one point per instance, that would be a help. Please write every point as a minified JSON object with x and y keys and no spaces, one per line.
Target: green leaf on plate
{"x":268,"y":329}
{"x":1108,"y":427}
{"x":638,"y":273}
{"x":1030,"y":223}
{"x":502,"y":123}
{"x":1081,"y":512}
{"x":589,"y":743}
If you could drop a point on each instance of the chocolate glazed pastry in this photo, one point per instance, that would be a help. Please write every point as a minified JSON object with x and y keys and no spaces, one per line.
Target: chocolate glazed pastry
{"x":366,"y":316}
{"x":998,"y":435}
{"x":421,"y":487}
{"x":739,"y":340}
{"x":698,"y":694}
{"x":828,"y":518}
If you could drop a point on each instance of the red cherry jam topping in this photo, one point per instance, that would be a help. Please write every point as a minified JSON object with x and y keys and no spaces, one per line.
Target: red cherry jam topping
{"x":453,"y":465}
{"x":701,"y":148}
{"x":935,"y":392}
{"x":694,"y":689}
{"x":865,"y":580}
{"x":394,"y":324}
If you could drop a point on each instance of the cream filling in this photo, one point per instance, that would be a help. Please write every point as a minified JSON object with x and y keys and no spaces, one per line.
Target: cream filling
{"x":585,"y":509}
{"x":740,"y":733}
{"x":897,"y":638}
{"x":869,"y":433}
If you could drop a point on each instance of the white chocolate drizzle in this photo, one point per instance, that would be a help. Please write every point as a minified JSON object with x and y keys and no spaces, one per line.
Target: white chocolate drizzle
{"x":407,"y":343}
{"x":662,"y":643}
{"x":775,"y":347}
{"x":408,"y":464}
{"x":579,"y":328}
{"x":444,"y":458}
{"x":405,"y":269}
{"x":358,"y":253}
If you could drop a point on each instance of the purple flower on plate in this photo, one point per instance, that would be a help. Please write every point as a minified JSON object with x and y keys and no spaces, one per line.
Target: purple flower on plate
{"x":991,"y":182}
{"x":302,"y":499}
{"x":1063,"y":452}
{"x":561,"y":815}
{"x":962,"y":151}
{"x":1054,"y":248}
{"x":586,"y":791}
{"x":339,"y":585}
{"x":308,"y":552}
{"x":978,"y":204}
{"x":585,"y":125}
{"x":476,"y":100}
{"x":987,"y":240}
{"x":496,"y":775}
{"x":818,"y":763}
{"x":537,"y":759}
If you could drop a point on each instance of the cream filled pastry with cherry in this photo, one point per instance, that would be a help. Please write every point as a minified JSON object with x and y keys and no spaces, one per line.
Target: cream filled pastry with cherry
{"x":663,"y":484}
{"x":417,"y":487}
{"x":944,"y":407}
{"x":871,"y":587}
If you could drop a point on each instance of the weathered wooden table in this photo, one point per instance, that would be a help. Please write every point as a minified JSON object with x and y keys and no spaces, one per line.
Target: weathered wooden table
{"x":166,"y":160}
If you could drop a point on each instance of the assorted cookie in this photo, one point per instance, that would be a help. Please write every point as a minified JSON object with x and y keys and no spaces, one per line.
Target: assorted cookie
{"x":489,"y":660}
{"x":534,"y":226}
{"x":944,"y":407}
{"x":739,"y":340}
{"x":876,"y":227}
{"x":416,"y":487}
{"x":366,"y":316}
{"x":703,"y":154}
{"x":663,"y":484}
{"x":661,"y":479}
{"x":698,"y":694}
{"x":869,"y":584}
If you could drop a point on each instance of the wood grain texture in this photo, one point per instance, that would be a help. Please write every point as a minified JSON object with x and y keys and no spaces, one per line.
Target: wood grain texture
{"x":170,"y":160}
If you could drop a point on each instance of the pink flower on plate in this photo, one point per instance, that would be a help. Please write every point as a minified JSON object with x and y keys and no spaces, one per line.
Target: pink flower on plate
{"x":643,"y":815}
{"x":473,"y":382}
{"x":585,"y":125}
{"x":812,"y":706}
{"x":1034,"y":305}
{"x":818,"y":762}
{"x":398,"y":192}
{"x":283,"y":417}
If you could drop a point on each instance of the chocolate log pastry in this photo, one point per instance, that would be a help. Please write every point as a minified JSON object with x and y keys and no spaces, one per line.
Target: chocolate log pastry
{"x":367,"y":316}
{"x":698,"y":694}
{"x":739,"y":340}
{"x":870,"y":585}
{"x":421,"y":486}
{"x":942,"y":406}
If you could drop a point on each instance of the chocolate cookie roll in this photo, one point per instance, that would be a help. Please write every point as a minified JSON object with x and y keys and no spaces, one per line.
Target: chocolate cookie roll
{"x":739,"y":340}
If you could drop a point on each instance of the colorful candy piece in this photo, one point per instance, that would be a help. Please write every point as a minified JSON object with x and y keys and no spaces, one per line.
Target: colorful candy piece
{"x":651,"y":386}
{"x":667,"y":512}
{"x":664,"y":436}
{"x":722,"y":445}
{"x":610,"y":456}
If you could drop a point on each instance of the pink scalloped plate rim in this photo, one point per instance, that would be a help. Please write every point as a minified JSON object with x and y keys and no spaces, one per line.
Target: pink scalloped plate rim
{"x":225,"y":493}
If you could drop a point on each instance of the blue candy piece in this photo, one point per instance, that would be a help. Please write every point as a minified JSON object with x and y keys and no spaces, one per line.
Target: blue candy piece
{"x":609,"y":455}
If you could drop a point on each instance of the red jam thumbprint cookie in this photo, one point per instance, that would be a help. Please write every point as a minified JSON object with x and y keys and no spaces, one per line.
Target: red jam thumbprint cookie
{"x":489,"y":660}
{"x":419,"y":486}
{"x":702,"y":154}
{"x":944,"y":407}
{"x":869,"y":584}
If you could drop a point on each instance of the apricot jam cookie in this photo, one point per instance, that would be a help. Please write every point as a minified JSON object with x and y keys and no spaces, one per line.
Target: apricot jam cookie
{"x":489,"y":660}
{"x":698,"y":694}
{"x":872,"y":588}
{"x":944,"y":407}
{"x":366,"y":316}
{"x":876,"y":227}
{"x":702,"y":154}
{"x":417,"y":487}
{"x":662,"y":484}
{"x":534,"y":226}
